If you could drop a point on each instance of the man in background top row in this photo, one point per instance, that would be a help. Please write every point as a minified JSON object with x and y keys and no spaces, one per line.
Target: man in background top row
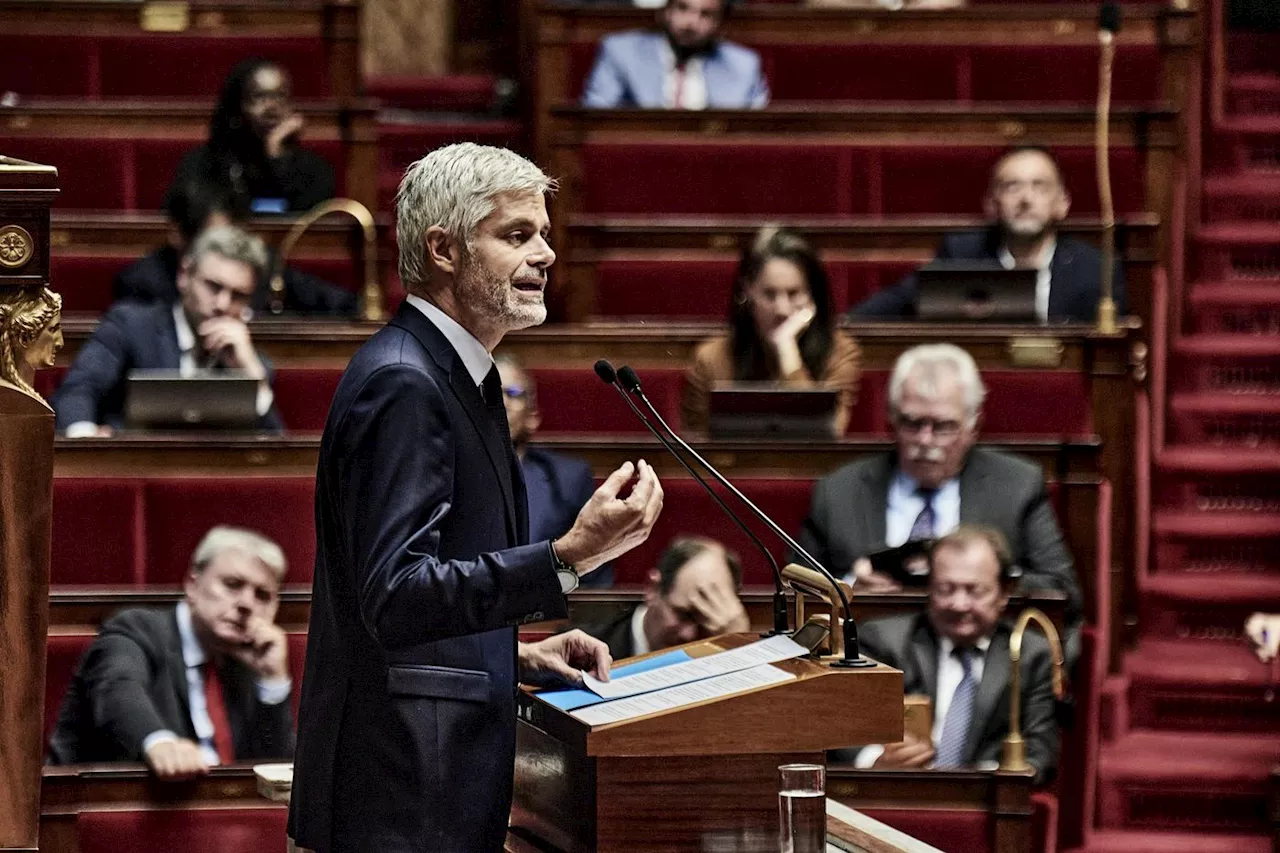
{"x":1027,"y":200}
{"x":685,"y":66}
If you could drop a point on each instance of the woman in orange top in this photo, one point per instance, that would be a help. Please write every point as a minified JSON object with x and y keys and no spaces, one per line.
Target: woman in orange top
{"x":781,"y":329}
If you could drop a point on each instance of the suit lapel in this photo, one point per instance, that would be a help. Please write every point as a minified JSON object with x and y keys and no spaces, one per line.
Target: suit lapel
{"x":924,"y":653}
{"x":876,"y":506}
{"x":1059,"y":271}
{"x":972,"y":495}
{"x":469,"y":395}
{"x":177,"y":669}
{"x":995,"y":683}
{"x":651,"y":77}
{"x":167,"y":337}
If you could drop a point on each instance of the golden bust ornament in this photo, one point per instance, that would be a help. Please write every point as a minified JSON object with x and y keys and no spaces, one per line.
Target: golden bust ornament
{"x":30,"y":335}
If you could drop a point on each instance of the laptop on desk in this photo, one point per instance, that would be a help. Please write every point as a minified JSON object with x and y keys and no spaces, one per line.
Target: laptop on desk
{"x":167,"y":400}
{"x":968,"y":291}
{"x":767,"y":410}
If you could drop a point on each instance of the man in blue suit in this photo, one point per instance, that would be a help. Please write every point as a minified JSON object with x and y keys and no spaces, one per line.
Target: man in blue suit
{"x":204,"y":329}
{"x":684,"y":66}
{"x":557,"y":486}
{"x":406,"y":729}
{"x":1026,"y":202}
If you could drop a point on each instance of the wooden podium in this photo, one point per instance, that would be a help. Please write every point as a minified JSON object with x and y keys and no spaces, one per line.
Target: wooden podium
{"x":694,"y":778}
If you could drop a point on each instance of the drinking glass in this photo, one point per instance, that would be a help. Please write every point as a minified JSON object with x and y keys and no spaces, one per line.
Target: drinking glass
{"x":802,"y":808}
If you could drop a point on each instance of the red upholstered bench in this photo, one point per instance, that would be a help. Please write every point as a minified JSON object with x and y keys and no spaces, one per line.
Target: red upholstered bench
{"x":260,"y":829}
{"x":303,"y":395}
{"x":947,"y":829}
{"x":180,"y":510}
{"x":678,"y":287}
{"x":687,"y":510}
{"x":170,"y":65}
{"x":797,"y":178}
{"x":574,"y":400}
{"x":124,"y":174}
{"x":100,"y":522}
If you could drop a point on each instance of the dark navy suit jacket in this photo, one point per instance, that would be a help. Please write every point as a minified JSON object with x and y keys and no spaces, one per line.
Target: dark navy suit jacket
{"x":130,"y":336}
{"x":406,"y":731}
{"x":559,"y":487}
{"x":1075,"y":278}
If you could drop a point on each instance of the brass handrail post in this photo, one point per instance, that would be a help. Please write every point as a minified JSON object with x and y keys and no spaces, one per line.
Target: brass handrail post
{"x":371,"y":306}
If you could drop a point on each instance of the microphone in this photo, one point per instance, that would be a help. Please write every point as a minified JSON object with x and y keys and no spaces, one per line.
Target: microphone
{"x":780,"y":622}
{"x":1109,"y":17}
{"x":852,"y":652}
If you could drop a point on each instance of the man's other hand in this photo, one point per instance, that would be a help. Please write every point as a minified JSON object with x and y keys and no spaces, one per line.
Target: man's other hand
{"x":610,"y":526}
{"x":562,"y":658}
{"x":173,"y":760}
{"x":910,"y":753}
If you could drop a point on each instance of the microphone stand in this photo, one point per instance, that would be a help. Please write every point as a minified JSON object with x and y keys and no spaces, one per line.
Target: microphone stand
{"x":852,"y":651}
{"x":781,"y":622}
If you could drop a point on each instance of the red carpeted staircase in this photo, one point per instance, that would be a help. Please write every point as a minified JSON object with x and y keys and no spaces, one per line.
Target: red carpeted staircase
{"x":1191,"y":725}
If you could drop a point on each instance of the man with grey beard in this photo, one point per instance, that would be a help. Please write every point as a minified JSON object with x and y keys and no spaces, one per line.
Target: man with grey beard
{"x":935,"y":480}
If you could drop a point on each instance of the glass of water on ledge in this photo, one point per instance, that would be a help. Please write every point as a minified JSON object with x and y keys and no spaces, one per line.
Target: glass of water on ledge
{"x":802,"y":808}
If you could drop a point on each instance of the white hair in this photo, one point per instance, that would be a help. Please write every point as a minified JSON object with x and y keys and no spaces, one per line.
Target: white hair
{"x":454,"y":187}
{"x":926,"y":364}
{"x":253,"y":545}
{"x":232,"y":243}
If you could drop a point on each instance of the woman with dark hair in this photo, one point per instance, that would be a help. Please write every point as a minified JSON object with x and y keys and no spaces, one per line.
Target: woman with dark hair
{"x":252,"y":151}
{"x":781,"y":329}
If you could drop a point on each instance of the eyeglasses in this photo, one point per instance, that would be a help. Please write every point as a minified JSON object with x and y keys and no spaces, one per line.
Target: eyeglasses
{"x":940,"y":429}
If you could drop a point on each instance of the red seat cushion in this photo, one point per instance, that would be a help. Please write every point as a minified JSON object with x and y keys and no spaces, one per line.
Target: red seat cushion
{"x":92,"y":173}
{"x":688,"y":510}
{"x":48,"y":66}
{"x":258,"y":829}
{"x":824,"y":72}
{"x":63,"y":652}
{"x":303,"y":395}
{"x":85,"y":280}
{"x":180,"y":510}
{"x":189,"y":65}
{"x":574,"y":400}
{"x":99,"y":520}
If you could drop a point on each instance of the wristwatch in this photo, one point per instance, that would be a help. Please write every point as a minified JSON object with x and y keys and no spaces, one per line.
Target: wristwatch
{"x":565,"y":573}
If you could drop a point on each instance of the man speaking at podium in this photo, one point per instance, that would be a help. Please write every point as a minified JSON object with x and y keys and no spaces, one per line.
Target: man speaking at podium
{"x":406,"y":730}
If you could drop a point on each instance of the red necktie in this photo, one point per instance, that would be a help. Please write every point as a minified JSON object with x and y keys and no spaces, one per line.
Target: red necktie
{"x":217,"y":708}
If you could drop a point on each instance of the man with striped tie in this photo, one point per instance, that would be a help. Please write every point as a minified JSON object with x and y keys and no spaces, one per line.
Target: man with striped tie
{"x":957,"y":653}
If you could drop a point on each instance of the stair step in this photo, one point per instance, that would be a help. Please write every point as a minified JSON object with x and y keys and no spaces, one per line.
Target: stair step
{"x":1187,"y":780}
{"x":1229,"y":420}
{"x":1179,"y":604}
{"x":1221,"y":403}
{"x":1241,"y":232}
{"x":1221,"y":363}
{"x":1193,"y":459}
{"x":1121,"y":841}
{"x":1251,"y":589}
{"x":1237,"y":184}
{"x":1254,"y":81}
{"x":1213,"y":294}
{"x":1252,"y":125}
{"x":1228,"y":485}
{"x":1226,"y":346}
{"x":1212,"y":685}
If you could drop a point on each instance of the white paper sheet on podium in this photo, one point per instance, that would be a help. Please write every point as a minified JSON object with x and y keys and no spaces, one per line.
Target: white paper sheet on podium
{"x":681,"y":695}
{"x":770,"y":650}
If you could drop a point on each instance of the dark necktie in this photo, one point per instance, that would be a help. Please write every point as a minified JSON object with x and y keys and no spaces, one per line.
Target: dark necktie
{"x":955,"y":728}
{"x":491,"y":390}
{"x":925,"y":521}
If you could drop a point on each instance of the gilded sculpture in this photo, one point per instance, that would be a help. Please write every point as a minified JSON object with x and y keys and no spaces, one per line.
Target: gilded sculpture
{"x":30,"y":335}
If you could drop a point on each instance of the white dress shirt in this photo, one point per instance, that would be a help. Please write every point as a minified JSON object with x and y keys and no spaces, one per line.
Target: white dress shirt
{"x":271,"y":691}
{"x":639,"y":640}
{"x":1043,"y":276}
{"x":475,"y":358}
{"x":949,"y":675}
{"x":904,"y":505}
{"x":688,"y":81}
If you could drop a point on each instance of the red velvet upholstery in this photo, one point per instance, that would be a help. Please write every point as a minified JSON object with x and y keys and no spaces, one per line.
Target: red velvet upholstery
{"x":124,"y":174}
{"x":62,"y":657}
{"x":722,"y":176}
{"x":182,"y":65}
{"x":1044,"y":822}
{"x":303,"y":395}
{"x":180,"y":510}
{"x":815,"y":178}
{"x":101,"y":520}
{"x":825,"y":72}
{"x":962,"y":831}
{"x":573,"y":400}
{"x":675,"y":287}
{"x":217,"y":830}
{"x":687,"y":510}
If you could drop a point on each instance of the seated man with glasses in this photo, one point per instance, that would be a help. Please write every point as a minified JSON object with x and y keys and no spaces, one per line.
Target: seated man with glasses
{"x":557,"y":486}
{"x":1026,"y":201}
{"x":935,"y":480}
{"x":206,"y":329}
